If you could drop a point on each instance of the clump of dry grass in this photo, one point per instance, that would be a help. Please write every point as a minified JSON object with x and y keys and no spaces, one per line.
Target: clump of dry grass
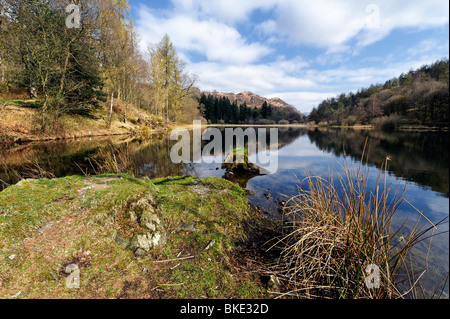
{"x":29,"y":170}
{"x":338,"y":231}
{"x":113,"y":161}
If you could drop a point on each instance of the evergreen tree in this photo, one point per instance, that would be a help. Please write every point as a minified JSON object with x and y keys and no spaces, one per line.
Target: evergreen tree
{"x":242,"y":112}
{"x":264,"y":110}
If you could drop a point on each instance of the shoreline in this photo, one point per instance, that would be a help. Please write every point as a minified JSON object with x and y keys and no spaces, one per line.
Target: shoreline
{"x":406,"y":127}
{"x":10,"y":138}
{"x":18,"y":126}
{"x":15,"y":140}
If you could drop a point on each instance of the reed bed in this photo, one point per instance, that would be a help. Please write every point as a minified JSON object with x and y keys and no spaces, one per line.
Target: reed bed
{"x":28,"y":170}
{"x":112,"y":161}
{"x":338,"y":242}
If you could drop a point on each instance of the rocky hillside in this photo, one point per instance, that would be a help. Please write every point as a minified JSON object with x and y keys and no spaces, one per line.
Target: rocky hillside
{"x":253,"y":100}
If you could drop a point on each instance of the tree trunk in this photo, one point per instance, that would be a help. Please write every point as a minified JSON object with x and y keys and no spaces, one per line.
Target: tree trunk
{"x":125,"y":111}
{"x":167,"y":108}
{"x":64,"y":70}
{"x":3,"y":63}
{"x":44,"y":114}
{"x":111,"y":109}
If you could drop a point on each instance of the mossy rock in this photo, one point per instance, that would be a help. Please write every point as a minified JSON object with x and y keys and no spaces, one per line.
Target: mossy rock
{"x":237,"y":160}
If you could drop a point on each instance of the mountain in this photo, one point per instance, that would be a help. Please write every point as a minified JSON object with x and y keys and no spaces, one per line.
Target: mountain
{"x":253,"y":100}
{"x":246,"y":108}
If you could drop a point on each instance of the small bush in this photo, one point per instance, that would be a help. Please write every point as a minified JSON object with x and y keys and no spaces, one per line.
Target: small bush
{"x":113,"y":161}
{"x":266,"y":122}
{"x":387,"y":123}
{"x":283,"y":122}
{"x":349,"y":121}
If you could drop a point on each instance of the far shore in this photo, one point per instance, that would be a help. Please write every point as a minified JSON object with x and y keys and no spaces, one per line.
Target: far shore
{"x":406,"y":127}
{"x":27,"y":138}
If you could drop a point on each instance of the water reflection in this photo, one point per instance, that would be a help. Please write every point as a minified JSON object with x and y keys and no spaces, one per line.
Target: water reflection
{"x":419,"y":159}
{"x":415,"y":156}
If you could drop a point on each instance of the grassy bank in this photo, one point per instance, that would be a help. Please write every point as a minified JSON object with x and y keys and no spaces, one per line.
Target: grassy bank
{"x":20,"y":121}
{"x":50,"y":223}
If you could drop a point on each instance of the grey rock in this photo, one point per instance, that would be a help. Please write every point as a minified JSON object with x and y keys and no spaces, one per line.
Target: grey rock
{"x":123,"y":242}
{"x":140,"y":252}
{"x":187,"y":227}
{"x":274,"y":283}
{"x":143,"y":213}
{"x":149,"y":240}
{"x":45,"y":227}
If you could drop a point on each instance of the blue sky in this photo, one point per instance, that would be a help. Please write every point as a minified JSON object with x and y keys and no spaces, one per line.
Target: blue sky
{"x":301,"y":51}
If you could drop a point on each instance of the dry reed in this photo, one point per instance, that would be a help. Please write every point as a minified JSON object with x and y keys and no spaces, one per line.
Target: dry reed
{"x":113,"y":161}
{"x":337,"y":230}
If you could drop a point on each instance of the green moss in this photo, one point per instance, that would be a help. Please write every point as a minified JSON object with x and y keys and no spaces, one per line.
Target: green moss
{"x":86,"y":213}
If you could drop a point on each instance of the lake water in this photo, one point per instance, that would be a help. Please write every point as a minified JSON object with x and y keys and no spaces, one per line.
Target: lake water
{"x":419,"y":160}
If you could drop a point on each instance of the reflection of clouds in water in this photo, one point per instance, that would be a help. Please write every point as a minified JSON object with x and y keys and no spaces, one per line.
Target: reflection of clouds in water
{"x":302,"y":147}
{"x":432,"y":204}
{"x":438,"y":204}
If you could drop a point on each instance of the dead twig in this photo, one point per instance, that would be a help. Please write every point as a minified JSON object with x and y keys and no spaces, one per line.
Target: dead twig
{"x":174,"y":259}
{"x":171,"y":285}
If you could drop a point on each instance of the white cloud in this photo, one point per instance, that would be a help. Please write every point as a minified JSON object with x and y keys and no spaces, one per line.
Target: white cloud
{"x":227,"y":11}
{"x":429,"y":49}
{"x":216,"y":40}
{"x":260,"y":78}
{"x":329,"y":23}
{"x":206,"y":33}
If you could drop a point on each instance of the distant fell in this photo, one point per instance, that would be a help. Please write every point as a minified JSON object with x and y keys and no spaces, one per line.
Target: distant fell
{"x":246,"y":108}
{"x":253,"y":100}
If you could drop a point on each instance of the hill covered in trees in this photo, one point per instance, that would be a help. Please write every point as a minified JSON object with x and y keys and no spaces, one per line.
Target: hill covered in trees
{"x":246,"y":108}
{"x":80,"y":70}
{"x":419,"y":97}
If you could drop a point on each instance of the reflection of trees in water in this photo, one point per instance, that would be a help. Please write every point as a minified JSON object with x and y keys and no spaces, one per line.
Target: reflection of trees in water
{"x":61,"y":158}
{"x":152,"y":158}
{"x":421,"y":157}
{"x":286,"y":136}
{"x":415,"y":156}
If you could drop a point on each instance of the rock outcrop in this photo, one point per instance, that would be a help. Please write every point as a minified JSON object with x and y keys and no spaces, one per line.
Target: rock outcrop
{"x":141,"y":229}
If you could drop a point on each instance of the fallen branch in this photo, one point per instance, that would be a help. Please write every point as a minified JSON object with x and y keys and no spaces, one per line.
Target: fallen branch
{"x":174,"y":259}
{"x":171,"y":285}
